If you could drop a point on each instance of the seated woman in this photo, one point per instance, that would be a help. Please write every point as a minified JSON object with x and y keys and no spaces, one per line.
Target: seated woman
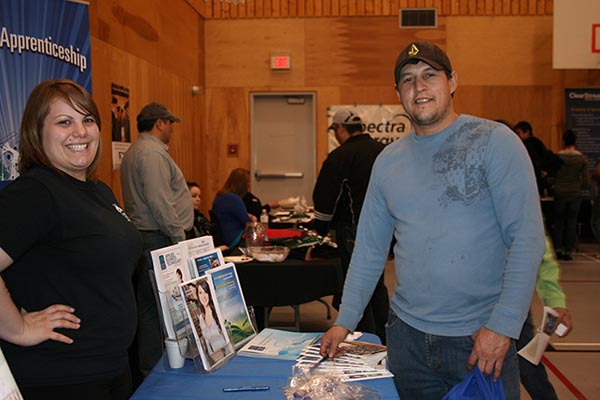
{"x":229,"y":208}
{"x":202,"y":225}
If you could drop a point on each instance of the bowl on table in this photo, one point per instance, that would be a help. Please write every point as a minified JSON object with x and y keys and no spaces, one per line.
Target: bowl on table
{"x":269,"y":253}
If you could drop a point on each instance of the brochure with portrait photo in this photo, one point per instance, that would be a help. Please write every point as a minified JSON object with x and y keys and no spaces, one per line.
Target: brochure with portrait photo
{"x":204,"y":316}
{"x":231,"y":302}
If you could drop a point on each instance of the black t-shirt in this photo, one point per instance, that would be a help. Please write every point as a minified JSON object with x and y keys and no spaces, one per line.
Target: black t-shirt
{"x":71,"y":244}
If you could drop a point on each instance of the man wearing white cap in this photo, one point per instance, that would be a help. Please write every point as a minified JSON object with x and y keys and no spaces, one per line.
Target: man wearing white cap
{"x":459,"y":195}
{"x":338,"y":197}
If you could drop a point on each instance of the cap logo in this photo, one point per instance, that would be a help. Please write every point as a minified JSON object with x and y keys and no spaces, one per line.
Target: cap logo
{"x":414,"y":50}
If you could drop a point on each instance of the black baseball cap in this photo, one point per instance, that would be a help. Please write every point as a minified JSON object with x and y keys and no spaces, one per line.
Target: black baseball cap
{"x":423,"y":51}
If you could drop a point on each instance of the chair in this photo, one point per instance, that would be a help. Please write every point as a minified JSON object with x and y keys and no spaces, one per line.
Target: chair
{"x":217,"y":234}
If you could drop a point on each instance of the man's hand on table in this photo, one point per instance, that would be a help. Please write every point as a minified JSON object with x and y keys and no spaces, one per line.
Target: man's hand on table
{"x":331,"y":339}
{"x":489,"y":351}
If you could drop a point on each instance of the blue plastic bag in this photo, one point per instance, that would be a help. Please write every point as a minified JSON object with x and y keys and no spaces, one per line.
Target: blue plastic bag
{"x":475,"y":386}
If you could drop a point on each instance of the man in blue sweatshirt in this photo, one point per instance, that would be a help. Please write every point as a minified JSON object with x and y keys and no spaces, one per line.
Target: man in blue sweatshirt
{"x":459,"y":195}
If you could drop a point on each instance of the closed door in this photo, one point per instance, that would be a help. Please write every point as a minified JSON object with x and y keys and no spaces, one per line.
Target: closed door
{"x":283,"y":145}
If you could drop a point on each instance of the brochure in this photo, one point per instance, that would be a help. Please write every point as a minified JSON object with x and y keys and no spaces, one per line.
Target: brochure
{"x":170,"y":270}
{"x":228,"y":294}
{"x":194,"y":247}
{"x":534,"y":350}
{"x":201,"y":263}
{"x":206,"y":321}
{"x":274,"y":343}
{"x":360,"y":361}
{"x":8,"y":386}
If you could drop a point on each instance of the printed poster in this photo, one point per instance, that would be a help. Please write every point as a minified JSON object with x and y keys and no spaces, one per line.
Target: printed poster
{"x":385,"y":123}
{"x":582,"y":115}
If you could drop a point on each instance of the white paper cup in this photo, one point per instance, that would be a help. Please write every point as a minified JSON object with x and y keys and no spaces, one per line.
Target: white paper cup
{"x":176,"y":360}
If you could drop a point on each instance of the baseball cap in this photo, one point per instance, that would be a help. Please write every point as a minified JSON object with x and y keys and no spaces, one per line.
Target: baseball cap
{"x":155,"y":111}
{"x":345,"y":117}
{"x":424,"y":51}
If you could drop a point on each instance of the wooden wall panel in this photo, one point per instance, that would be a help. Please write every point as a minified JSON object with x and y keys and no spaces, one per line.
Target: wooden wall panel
{"x":136,"y":45}
{"x":344,"y":52}
{"x":238,"y":52}
{"x":143,"y":28}
{"x":501,"y":50}
{"x":146,"y":83}
{"x":512,"y":104}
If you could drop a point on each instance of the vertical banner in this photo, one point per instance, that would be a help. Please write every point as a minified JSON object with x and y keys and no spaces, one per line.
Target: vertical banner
{"x":583,"y":117}
{"x":385,"y":123}
{"x":39,"y":40}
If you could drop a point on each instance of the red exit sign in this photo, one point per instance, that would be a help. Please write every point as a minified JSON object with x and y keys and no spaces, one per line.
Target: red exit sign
{"x":281,"y":62}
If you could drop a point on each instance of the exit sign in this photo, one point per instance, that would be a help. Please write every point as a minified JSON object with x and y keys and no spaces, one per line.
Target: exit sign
{"x":281,"y":62}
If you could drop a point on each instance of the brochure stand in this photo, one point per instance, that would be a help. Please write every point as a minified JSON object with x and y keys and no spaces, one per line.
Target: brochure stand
{"x":188,"y":347}
{"x":180,"y":283}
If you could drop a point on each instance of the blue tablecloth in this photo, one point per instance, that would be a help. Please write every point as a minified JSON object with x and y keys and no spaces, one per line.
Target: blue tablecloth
{"x":179,"y":384}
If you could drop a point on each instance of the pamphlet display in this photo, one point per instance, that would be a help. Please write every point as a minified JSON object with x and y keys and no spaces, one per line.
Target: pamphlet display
{"x":201,"y":302}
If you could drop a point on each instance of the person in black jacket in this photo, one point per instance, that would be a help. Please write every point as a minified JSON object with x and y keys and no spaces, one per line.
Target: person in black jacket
{"x":544,"y":161}
{"x":338,"y":197}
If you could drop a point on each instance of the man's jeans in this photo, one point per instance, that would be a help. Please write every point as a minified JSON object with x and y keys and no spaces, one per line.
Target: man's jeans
{"x":427,"y":366}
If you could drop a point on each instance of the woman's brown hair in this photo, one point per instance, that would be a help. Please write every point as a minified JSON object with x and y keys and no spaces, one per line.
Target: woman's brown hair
{"x":31,"y":148}
{"x":237,"y":182}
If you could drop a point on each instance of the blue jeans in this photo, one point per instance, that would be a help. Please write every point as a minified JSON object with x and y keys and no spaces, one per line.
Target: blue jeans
{"x":427,"y":366}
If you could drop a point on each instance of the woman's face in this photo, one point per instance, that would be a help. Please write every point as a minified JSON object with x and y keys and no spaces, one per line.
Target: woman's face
{"x":203,"y":296}
{"x":70,"y":139}
{"x":196,"y":197}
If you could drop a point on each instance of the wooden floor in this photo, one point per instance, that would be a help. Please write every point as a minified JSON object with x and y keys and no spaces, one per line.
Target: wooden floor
{"x":575,"y":360}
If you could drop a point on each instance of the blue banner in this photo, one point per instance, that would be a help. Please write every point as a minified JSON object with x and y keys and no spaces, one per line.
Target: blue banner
{"x":39,"y":40}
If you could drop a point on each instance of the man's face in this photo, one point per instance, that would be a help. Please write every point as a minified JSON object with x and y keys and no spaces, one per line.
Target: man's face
{"x":425,"y":94}
{"x":522,"y":134}
{"x":165,"y":127}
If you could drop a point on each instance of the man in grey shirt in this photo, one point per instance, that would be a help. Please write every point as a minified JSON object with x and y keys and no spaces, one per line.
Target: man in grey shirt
{"x":159,"y":204}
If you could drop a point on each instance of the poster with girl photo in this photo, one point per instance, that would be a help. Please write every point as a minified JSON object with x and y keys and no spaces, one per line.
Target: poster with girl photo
{"x":206,"y":322}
